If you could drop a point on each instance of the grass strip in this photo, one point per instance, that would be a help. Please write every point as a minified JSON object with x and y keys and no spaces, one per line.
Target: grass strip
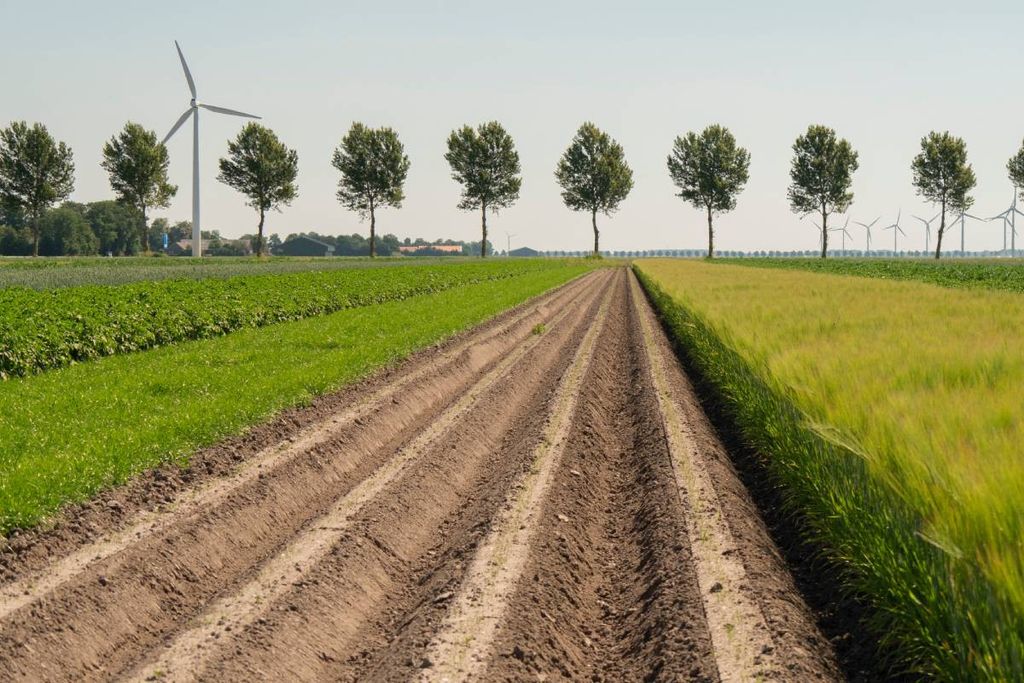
{"x":895,"y":442}
{"x":66,"y":434}
{"x":969,"y":274}
{"x":41,"y":330}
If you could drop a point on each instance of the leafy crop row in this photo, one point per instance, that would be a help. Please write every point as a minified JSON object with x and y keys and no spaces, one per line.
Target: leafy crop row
{"x":895,"y":439}
{"x":68,"y":433}
{"x":40,"y":330}
{"x":50,"y":273}
{"x":968,"y":274}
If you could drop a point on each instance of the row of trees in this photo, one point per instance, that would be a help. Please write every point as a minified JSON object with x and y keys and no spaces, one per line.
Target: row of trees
{"x":709,"y":169}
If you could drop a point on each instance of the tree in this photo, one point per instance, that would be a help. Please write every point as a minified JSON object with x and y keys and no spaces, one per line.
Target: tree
{"x":593,"y":174}
{"x":943,"y":176}
{"x":821,"y":175}
{"x":486,"y":163}
{"x":65,"y":231}
{"x":710,"y":171}
{"x":262,"y":168}
{"x":36,"y":172}
{"x":373,"y":169}
{"x":137,"y":165}
{"x":1016,"y":169}
{"x":115,"y":225}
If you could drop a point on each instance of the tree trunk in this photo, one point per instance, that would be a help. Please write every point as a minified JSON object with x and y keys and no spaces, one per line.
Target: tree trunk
{"x":483,"y":241}
{"x":145,"y":233}
{"x":35,"y":234}
{"x":711,"y":236}
{"x":373,"y":232}
{"x":259,"y":235}
{"x":824,"y":233}
{"x":593,"y":220}
{"x":942,"y":229}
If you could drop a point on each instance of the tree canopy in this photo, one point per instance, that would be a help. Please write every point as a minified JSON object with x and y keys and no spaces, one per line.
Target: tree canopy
{"x":593,"y":174}
{"x":821,"y":175}
{"x":36,"y":172}
{"x":262,"y":168}
{"x":137,"y":165}
{"x":1015,"y":167}
{"x":485,"y":162}
{"x":710,"y":170}
{"x":942,"y":175}
{"x":373,"y":168}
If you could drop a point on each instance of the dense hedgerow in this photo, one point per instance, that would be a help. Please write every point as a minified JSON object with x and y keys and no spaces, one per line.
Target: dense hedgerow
{"x":1003,"y":274}
{"x":40,"y":330}
{"x":890,"y":416}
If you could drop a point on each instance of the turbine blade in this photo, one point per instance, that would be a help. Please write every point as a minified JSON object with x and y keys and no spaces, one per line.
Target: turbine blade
{"x":231,"y":112}
{"x":177,"y":124}
{"x":188,"y":74}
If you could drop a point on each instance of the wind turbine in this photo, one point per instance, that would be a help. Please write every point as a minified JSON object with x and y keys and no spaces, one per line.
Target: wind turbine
{"x":963,"y":220}
{"x":845,"y":233}
{"x":927,"y":229}
{"x":821,"y":236}
{"x":508,"y":242}
{"x":896,"y":232}
{"x":868,"y":226}
{"x":193,"y":111}
{"x":1010,"y":219}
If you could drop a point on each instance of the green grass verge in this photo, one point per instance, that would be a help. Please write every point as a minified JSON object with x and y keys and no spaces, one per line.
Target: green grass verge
{"x":40,"y":330}
{"x":890,"y":416}
{"x":68,"y":433}
{"x":979,"y":274}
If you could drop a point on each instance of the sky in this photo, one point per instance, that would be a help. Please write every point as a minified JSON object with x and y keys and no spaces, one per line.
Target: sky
{"x":883,"y":74}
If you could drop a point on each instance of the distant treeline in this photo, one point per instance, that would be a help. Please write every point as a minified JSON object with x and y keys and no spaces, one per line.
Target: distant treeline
{"x":387,"y":245}
{"x":112,"y":228}
{"x":103,"y":228}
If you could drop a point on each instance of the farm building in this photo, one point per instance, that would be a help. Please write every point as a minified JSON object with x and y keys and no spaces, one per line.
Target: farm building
{"x":184,"y":247}
{"x":524,"y":251}
{"x":306,"y":246}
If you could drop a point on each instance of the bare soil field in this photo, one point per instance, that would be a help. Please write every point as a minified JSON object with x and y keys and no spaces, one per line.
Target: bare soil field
{"x":541,"y":498}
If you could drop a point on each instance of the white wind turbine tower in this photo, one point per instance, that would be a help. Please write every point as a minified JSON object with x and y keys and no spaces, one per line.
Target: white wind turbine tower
{"x":193,"y":111}
{"x":1010,"y":219}
{"x":963,"y":220}
{"x":844,"y":232}
{"x":927,"y":230}
{"x":868,"y":226}
{"x":896,"y":232}
{"x":508,"y":242}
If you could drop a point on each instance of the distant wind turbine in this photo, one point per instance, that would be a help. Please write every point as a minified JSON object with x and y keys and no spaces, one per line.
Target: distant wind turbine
{"x":508,"y":242}
{"x":844,"y":232}
{"x":820,"y":235}
{"x":868,"y":226}
{"x":963,"y":220}
{"x":927,"y":229}
{"x":896,"y":232}
{"x":193,"y":111}
{"x":1009,"y":218}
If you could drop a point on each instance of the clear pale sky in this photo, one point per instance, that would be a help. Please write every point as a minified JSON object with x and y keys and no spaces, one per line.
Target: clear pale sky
{"x":882,"y":73}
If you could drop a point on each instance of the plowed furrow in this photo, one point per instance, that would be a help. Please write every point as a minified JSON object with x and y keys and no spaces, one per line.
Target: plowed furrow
{"x":109,"y":611}
{"x":609,"y":593}
{"x":227,"y":619}
{"x":541,"y":499}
